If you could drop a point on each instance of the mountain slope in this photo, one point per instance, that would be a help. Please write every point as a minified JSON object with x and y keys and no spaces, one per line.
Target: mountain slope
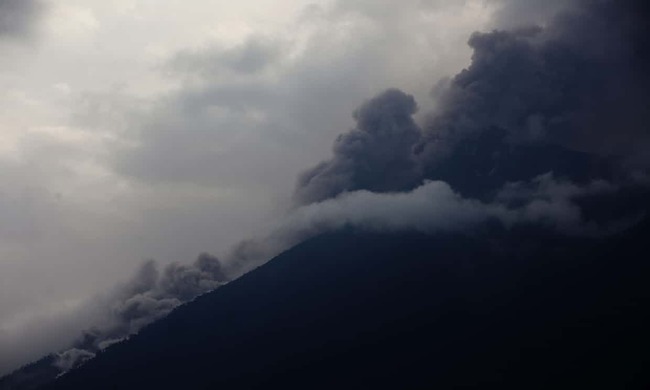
{"x":526,"y":309}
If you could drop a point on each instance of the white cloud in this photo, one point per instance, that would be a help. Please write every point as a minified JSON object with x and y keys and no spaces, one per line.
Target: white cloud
{"x":70,"y":23}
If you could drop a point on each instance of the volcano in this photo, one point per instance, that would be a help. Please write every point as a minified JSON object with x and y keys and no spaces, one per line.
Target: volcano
{"x":519,"y":309}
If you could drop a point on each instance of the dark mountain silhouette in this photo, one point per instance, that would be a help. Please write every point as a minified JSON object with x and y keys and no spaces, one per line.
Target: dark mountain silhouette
{"x":32,"y":376}
{"x":523,"y":308}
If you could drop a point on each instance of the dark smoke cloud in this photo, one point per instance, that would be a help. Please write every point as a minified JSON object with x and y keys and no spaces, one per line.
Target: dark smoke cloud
{"x":147,"y":297}
{"x":374,"y":156}
{"x":18,"y":17}
{"x":580,"y":82}
{"x":570,"y":97}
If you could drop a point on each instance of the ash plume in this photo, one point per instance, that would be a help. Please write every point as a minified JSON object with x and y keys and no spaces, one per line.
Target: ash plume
{"x":147,"y":297}
{"x":570,"y":97}
{"x":374,"y":156}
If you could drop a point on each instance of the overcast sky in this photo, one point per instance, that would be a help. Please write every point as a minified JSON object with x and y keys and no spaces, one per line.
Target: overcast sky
{"x":136,"y":129}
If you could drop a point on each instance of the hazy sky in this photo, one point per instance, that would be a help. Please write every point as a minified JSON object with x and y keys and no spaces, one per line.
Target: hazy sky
{"x":135,"y":129}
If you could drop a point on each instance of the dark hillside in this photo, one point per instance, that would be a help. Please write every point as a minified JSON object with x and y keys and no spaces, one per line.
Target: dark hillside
{"x":524,"y":309}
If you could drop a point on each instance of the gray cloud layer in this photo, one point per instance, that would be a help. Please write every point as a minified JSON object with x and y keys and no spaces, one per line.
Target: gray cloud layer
{"x":272,"y":101}
{"x":251,"y":57}
{"x":18,"y":17}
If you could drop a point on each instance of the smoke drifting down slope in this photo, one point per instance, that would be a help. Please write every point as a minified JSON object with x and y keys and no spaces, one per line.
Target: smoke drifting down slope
{"x":149,"y":296}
